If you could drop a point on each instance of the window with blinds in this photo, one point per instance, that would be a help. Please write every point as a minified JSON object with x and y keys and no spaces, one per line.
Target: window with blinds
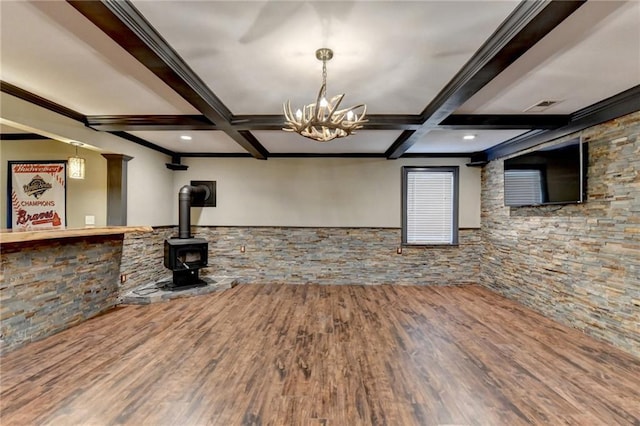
{"x":429,"y":205}
{"x":523,"y":187}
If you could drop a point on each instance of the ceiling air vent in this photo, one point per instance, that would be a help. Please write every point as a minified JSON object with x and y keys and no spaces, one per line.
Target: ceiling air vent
{"x":541,"y":106}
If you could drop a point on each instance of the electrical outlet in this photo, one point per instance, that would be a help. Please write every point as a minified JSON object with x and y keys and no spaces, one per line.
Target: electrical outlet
{"x":123,"y":278}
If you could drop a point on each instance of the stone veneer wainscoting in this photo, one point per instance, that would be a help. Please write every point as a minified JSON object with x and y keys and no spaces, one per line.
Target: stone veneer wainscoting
{"x":578,"y":264}
{"x":309,"y":255}
{"x":48,"y":286}
{"x":143,"y":257}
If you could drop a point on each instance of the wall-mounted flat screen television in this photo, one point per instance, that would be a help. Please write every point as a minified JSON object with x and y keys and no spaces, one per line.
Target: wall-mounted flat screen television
{"x":550,"y":175}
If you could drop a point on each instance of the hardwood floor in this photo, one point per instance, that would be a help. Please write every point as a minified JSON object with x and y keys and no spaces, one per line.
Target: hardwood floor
{"x":321,"y":355}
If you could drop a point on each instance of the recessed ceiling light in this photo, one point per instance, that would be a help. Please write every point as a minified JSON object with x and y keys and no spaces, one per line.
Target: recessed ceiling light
{"x":185,"y":137}
{"x":468,"y":137}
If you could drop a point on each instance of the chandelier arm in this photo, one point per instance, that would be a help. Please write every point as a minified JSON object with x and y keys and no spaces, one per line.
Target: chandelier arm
{"x":287,"y":111}
{"x":332,"y":108}
{"x":291,"y":121}
{"x":308,"y":114}
{"x":352,"y":108}
{"x":290,"y":117}
{"x":356,"y":119}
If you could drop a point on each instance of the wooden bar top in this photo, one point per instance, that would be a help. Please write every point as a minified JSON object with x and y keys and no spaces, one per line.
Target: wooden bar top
{"x":10,"y":236}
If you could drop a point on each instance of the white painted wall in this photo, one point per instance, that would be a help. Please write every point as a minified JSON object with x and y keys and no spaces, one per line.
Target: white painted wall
{"x":341,"y":192}
{"x":149,"y":199}
{"x":84,"y":197}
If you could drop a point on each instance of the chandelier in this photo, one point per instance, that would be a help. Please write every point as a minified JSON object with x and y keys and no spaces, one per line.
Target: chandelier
{"x":322,"y":121}
{"x":76,"y":164}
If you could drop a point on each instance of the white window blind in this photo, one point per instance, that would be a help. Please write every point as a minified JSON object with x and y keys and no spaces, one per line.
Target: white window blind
{"x":430,"y":207}
{"x":522,"y":187}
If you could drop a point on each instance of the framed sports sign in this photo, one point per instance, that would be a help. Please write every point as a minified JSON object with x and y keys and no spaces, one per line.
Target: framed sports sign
{"x":38,"y":192}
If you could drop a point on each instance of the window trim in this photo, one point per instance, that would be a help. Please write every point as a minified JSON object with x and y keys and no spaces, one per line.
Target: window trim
{"x":455,"y":171}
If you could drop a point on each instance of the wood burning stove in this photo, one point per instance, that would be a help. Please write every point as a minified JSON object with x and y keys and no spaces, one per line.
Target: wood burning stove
{"x":186,"y":255}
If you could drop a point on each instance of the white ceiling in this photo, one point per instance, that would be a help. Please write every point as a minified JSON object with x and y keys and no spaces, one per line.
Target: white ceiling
{"x":201,"y":140}
{"x":395,"y":56}
{"x":444,"y":141}
{"x":51,"y":50}
{"x":390,"y":55}
{"x":363,"y":141}
{"x":593,"y":55}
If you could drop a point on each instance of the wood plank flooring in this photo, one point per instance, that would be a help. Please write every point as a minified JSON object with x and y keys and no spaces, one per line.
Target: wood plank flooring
{"x":321,"y":355}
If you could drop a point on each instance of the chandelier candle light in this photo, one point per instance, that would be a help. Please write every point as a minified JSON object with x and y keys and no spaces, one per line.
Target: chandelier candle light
{"x":322,"y":121}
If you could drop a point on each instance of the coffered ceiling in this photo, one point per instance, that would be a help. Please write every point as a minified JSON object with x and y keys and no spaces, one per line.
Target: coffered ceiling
{"x":430,"y":72}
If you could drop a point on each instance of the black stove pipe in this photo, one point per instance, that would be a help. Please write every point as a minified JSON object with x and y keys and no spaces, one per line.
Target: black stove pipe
{"x":184,"y":207}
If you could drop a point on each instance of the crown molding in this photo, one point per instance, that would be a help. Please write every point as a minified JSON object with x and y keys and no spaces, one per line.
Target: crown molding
{"x":27,"y":96}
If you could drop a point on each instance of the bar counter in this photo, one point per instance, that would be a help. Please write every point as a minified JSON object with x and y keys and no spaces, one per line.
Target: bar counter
{"x":10,"y":236}
{"x":53,"y":279}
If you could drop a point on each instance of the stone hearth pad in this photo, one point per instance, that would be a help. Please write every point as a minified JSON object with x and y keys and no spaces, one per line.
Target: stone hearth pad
{"x":154,"y":292}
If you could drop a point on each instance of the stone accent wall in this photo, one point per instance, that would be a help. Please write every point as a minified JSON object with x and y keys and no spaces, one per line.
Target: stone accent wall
{"x":311,"y":255}
{"x":578,"y":264}
{"x":48,"y":286}
{"x":143,"y":257}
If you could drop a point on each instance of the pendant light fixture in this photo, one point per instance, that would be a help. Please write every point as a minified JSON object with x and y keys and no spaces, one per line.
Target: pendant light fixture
{"x":322,"y":121}
{"x":76,"y":164}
